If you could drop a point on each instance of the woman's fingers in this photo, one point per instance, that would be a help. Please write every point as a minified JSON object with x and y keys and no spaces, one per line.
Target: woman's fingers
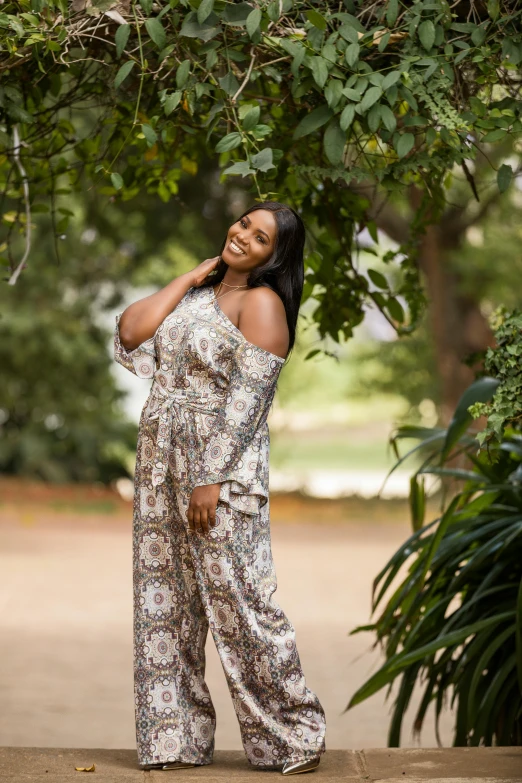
{"x":201,"y":519}
{"x":202,"y":509}
{"x":190,"y":518}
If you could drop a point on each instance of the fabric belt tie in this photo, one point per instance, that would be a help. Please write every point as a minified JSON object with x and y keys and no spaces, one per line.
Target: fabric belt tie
{"x":169,"y":413}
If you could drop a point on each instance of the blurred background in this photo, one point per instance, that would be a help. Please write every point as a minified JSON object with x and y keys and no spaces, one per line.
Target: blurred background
{"x":68,"y":428}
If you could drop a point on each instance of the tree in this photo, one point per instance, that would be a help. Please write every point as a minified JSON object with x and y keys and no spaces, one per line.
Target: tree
{"x":61,"y":417}
{"x":337,"y":109}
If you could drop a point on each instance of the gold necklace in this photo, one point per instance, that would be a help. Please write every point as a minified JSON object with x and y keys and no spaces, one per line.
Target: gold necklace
{"x":227,"y":292}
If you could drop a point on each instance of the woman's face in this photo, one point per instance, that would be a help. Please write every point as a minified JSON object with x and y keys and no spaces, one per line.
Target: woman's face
{"x":250,"y":240}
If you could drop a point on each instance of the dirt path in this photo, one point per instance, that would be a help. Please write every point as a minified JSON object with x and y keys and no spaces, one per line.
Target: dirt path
{"x":66,"y":627}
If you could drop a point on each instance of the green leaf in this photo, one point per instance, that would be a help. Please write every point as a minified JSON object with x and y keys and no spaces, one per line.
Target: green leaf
{"x":171,"y":101}
{"x":147,"y":6}
{"x":156,"y":32}
{"x":205,"y":9}
{"x":319,"y":70}
{"x":329,"y":52}
{"x":182,"y":74}
{"x":377,"y":278}
{"x":395,"y":309}
{"x":374,"y":117}
{"x":117,"y":180}
{"x":349,"y":33}
{"x":481,"y":390}
{"x":400,"y":661}
{"x":18,"y":113}
{"x":371,"y":96}
{"x":263,"y":160}
{"x":150,"y":135}
{"x":351,"y":54}
{"x":228,"y":142}
{"x":352,"y":95}
{"x":347,"y":116}
{"x":310,"y":122}
{"x":298,"y":61}
{"x":229,"y":83}
{"x":478,"y":36}
{"x":316,"y":19}
{"x":461,"y":56}
{"x":237,"y":13}
{"x":392,"y":12}
{"x":121,"y":38}
{"x":388,"y":118}
{"x":251,"y":118}
{"x":404,"y":144}
{"x":504,"y":176}
{"x":123,"y":72}
{"x":426,"y":31}
{"x":417,"y":501}
{"x":192,"y":29}
{"x":253,"y":21}
{"x":390,"y":79}
{"x":334,"y":141}
{"x":493,"y":9}
{"x":333,"y":92}
{"x":241,"y":167}
{"x":495,"y":135}
{"x":384,"y":41}
{"x":262,"y":130}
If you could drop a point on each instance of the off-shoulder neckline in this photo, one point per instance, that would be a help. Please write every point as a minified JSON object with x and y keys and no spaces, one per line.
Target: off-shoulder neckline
{"x":239,"y":333}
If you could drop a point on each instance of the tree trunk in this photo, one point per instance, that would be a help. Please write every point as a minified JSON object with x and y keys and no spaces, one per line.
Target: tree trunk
{"x":459,"y":329}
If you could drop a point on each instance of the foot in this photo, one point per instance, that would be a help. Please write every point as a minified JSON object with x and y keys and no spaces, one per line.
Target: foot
{"x":295,"y":767}
{"x":170,"y":765}
{"x":178,"y":765}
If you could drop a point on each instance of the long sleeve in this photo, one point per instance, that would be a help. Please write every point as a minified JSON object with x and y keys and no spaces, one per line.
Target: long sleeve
{"x":250,"y":393}
{"x":141,"y":361}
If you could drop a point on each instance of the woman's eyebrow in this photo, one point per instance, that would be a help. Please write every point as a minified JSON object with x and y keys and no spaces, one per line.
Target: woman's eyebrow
{"x":259,"y":229}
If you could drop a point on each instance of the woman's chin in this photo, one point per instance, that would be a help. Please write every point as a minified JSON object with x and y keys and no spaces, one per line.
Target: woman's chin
{"x":228,"y":257}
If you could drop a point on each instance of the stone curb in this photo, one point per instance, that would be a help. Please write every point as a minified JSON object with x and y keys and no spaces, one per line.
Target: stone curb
{"x":389,"y":765}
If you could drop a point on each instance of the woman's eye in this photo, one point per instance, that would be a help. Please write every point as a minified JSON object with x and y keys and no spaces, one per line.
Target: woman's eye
{"x":243,"y":223}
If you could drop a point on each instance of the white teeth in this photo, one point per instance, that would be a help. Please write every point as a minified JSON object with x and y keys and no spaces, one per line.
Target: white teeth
{"x":236,"y":248}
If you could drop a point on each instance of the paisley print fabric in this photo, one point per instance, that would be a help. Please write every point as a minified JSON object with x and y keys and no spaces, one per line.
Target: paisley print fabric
{"x":204,"y":422}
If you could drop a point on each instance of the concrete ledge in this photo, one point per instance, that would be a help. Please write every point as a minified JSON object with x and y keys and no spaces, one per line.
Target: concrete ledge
{"x":389,"y":765}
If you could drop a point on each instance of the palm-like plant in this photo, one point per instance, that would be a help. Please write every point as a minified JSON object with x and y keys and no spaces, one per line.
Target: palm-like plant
{"x":454,"y":621}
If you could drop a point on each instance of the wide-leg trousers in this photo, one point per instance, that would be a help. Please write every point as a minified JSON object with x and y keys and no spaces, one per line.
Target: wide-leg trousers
{"x":184,"y":584}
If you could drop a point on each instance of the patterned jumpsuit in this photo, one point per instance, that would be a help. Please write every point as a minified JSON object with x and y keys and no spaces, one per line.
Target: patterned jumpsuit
{"x":205,"y":422}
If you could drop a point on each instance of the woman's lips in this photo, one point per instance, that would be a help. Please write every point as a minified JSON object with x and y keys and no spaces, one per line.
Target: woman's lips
{"x":232,"y":247}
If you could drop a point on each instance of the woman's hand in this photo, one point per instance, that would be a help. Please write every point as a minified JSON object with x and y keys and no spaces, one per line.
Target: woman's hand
{"x":201,"y":513}
{"x":202,"y":270}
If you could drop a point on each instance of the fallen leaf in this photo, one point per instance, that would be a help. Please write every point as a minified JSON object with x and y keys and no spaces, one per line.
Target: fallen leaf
{"x":394,"y":37}
{"x":86,"y":769}
{"x":115,"y":16}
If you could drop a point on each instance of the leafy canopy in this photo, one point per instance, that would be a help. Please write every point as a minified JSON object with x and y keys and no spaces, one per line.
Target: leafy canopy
{"x":327,"y":107}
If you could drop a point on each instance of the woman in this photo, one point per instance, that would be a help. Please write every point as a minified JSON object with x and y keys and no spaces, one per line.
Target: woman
{"x":201,"y":531}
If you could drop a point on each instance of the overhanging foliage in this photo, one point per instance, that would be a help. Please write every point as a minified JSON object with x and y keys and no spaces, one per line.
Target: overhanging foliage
{"x":333,"y":108}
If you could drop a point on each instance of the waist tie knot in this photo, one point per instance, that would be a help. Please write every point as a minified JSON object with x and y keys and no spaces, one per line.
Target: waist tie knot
{"x":169,"y":414}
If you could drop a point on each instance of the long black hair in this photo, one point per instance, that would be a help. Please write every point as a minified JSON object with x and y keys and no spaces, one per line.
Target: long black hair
{"x":284,"y":270}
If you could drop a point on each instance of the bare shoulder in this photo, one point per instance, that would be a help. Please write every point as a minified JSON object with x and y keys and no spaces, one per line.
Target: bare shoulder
{"x":263,"y":320}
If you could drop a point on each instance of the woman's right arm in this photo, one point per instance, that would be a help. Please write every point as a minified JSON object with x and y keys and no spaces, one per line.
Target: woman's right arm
{"x":140,"y":321}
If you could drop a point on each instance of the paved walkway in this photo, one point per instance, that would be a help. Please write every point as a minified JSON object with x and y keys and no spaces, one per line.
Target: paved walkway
{"x":66,"y":629}
{"x":389,"y":765}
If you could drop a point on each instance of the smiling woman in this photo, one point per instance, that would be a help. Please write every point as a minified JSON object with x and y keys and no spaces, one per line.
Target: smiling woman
{"x":201,"y":529}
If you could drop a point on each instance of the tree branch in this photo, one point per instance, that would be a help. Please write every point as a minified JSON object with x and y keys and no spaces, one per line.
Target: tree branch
{"x":25,"y":185}
{"x":386,"y":218}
